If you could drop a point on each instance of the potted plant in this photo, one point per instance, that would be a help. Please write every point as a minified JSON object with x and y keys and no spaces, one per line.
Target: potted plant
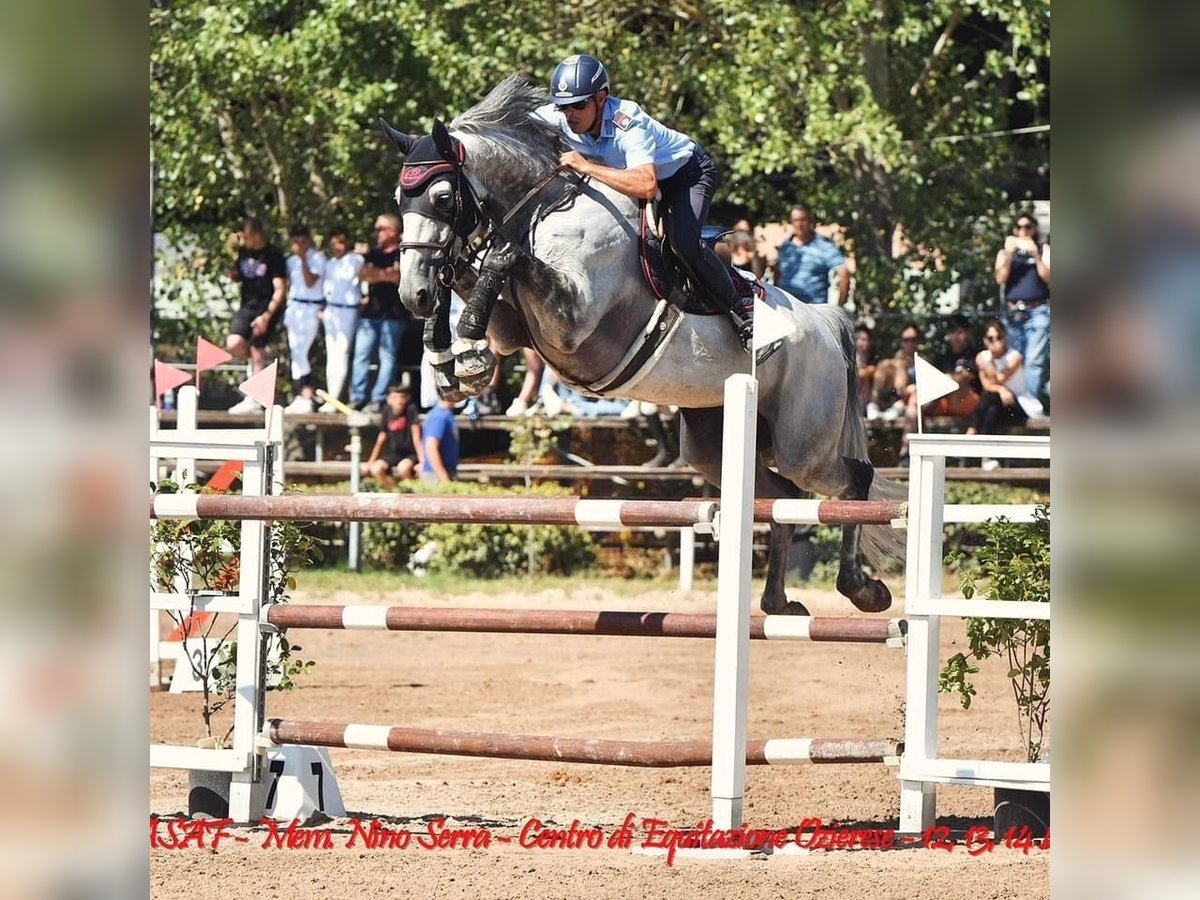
{"x":202,"y":558}
{"x":1014,"y":560}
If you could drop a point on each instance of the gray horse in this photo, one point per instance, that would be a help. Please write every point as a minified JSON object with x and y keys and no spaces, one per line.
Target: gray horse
{"x":559,"y":271}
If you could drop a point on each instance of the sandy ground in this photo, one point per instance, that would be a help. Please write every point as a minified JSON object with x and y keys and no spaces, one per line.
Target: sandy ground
{"x":634,"y":688}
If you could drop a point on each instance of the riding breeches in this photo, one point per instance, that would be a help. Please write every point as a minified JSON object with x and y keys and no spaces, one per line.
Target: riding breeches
{"x":687,"y":195}
{"x":301,"y":318}
{"x":340,"y":324}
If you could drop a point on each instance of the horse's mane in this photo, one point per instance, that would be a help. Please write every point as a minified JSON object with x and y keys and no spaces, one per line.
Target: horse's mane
{"x":503,"y":120}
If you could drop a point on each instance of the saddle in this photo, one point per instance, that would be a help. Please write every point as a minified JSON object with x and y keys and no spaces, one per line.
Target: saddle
{"x":669,"y":278}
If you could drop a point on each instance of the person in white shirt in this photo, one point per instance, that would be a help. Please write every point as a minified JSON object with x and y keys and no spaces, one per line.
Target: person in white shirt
{"x":1007,"y":398}
{"x":343,"y":296}
{"x":305,"y":268}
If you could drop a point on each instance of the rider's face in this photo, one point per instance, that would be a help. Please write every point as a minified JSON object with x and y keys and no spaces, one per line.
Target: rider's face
{"x":587,"y":119}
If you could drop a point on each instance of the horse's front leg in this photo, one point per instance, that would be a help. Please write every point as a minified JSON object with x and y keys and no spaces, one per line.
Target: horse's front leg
{"x":474,"y":362}
{"x":436,"y":337}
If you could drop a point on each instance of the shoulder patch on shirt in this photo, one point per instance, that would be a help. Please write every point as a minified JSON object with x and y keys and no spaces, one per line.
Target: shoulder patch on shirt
{"x":622,"y":120}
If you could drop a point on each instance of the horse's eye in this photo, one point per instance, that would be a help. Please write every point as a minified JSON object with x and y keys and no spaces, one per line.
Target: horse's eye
{"x":442,"y":201}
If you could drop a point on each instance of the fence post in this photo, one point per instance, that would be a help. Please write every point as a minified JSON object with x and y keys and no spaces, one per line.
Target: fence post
{"x":732,"y":645}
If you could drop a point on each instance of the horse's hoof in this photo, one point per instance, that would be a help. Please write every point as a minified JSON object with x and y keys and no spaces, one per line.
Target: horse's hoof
{"x":475,"y":384}
{"x":475,"y":366}
{"x":444,"y":381}
{"x":454,"y":395}
{"x":795,"y":608}
{"x":874,"y":596}
{"x":790,"y":608}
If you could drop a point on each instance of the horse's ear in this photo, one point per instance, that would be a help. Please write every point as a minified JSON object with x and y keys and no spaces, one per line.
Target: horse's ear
{"x":404,"y":142}
{"x":446,"y":144}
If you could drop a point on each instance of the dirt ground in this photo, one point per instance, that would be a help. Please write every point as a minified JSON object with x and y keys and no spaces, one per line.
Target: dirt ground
{"x":632,"y":688}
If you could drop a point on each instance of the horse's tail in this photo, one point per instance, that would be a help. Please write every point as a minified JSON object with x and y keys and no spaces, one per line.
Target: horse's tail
{"x":882,"y":544}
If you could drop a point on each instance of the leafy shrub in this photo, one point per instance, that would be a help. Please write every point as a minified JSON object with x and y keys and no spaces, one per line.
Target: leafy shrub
{"x":482,"y":551}
{"x":1015,"y":562}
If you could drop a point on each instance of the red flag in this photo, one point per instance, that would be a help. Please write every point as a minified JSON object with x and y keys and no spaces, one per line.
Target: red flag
{"x":167,"y":378}
{"x":208,"y":356}
{"x":261,"y":387}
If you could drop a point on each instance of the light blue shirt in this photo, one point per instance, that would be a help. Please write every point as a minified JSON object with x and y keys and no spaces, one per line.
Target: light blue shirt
{"x":803,"y":269}
{"x":628,"y":138}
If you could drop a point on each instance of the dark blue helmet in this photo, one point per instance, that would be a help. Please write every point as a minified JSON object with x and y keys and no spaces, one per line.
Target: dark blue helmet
{"x":577,"y":78}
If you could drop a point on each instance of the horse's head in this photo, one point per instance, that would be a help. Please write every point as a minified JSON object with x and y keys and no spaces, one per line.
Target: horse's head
{"x":439,"y":210}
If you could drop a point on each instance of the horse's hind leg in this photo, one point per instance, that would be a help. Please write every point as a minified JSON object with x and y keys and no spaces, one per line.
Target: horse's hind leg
{"x":868,"y":594}
{"x":700,"y":445}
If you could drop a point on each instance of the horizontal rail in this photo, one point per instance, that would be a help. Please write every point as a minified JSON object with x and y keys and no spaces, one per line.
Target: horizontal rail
{"x":650,"y":754}
{"x":427,"y":508}
{"x":584,"y":622}
{"x":830,"y":512}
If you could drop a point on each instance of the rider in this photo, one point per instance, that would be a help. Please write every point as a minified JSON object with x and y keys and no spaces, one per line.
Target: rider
{"x":615,"y":142}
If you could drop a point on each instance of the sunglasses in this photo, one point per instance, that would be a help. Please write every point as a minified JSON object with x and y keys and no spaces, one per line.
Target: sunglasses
{"x":578,"y":104}
{"x":1024,"y":226}
{"x":992,"y":338}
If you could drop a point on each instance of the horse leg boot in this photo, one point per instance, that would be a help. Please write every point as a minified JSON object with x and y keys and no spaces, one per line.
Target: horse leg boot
{"x":867,"y":594}
{"x":436,"y":338}
{"x":474,"y":361}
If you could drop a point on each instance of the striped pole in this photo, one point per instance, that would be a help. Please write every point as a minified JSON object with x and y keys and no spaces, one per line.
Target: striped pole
{"x":426,"y":508}
{"x":584,"y":622}
{"x":650,"y":754}
{"x":831,"y":512}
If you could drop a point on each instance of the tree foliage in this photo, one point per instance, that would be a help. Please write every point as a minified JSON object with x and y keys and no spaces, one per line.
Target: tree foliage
{"x":855,"y":106}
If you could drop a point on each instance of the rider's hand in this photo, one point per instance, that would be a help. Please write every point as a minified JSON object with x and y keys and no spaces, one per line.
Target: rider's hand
{"x":574,"y":160}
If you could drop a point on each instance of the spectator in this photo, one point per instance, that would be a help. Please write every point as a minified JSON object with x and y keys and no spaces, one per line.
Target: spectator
{"x":262,"y":274}
{"x":1023,"y":272}
{"x":958,"y":361}
{"x":744,"y":249}
{"x":866,"y":360}
{"x":440,"y":437}
{"x":343,"y":293}
{"x":534,"y":367}
{"x":383,"y":321}
{"x":397,"y":452}
{"x":557,"y":398}
{"x":306,"y":271}
{"x":1006,"y":399}
{"x":896,"y":378}
{"x":805,"y":261}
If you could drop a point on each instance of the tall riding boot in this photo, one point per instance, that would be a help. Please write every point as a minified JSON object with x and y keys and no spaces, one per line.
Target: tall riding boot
{"x":720,"y":288}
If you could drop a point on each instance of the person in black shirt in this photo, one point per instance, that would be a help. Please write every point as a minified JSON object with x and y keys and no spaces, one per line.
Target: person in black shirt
{"x":383,"y":321}
{"x":1023,"y":272}
{"x":397,"y":451}
{"x":262,"y":274}
{"x":958,"y":361}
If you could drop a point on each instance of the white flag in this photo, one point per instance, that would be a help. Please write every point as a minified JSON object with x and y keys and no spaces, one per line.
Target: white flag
{"x":770,"y":325}
{"x":932,"y":383}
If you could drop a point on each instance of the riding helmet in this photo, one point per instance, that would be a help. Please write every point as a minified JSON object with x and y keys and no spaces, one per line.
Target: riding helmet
{"x":577,"y":78}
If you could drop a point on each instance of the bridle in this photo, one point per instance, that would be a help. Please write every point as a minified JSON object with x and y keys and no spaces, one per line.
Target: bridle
{"x":466,"y":215}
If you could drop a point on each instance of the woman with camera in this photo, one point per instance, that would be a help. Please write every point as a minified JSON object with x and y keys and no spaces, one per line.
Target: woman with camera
{"x":1023,"y":272}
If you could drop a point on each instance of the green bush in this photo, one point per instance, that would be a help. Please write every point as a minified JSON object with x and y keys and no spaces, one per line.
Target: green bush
{"x":1015,"y":565}
{"x":482,"y":551}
